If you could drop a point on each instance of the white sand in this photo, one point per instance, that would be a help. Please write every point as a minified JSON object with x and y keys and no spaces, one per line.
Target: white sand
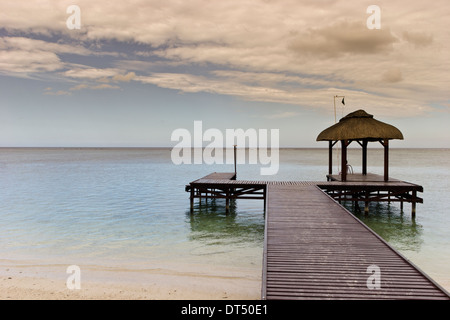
{"x":49,"y":282}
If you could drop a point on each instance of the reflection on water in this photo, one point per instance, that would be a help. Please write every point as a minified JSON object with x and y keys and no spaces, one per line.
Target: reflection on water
{"x":210,"y":223}
{"x":390,"y":223}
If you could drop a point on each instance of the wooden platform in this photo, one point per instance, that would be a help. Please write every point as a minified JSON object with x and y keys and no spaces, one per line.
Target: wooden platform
{"x":355,"y":177}
{"x":372,"y":188}
{"x":365,"y":189}
{"x":316,"y":249}
{"x":224,"y":186}
{"x":221,"y":176}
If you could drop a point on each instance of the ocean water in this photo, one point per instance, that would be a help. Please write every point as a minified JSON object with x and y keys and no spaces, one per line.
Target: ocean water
{"x":129,"y":208}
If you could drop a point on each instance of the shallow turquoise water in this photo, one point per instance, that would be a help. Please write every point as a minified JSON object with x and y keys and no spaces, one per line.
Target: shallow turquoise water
{"x":128,"y":207}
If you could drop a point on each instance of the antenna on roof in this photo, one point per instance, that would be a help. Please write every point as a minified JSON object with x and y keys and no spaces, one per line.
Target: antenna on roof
{"x":335,"y":121}
{"x":343,"y":102}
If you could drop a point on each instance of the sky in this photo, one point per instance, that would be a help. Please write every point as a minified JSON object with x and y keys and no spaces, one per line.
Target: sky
{"x":135,"y":71}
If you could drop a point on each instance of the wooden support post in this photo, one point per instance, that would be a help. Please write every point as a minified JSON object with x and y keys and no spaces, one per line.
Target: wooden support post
{"x":364,"y":157}
{"x":357,"y":208}
{"x":344,"y":161}
{"x":366,"y":203}
{"x":265,"y":198}
{"x":192,"y":199}
{"x":235,"y":169}
{"x":386,"y":159}
{"x":413,"y":204}
{"x":330,"y":157}
{"x":227,"y":201}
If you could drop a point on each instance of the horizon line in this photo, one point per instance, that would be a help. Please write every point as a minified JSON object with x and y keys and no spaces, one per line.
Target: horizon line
{"x":171,"y":147}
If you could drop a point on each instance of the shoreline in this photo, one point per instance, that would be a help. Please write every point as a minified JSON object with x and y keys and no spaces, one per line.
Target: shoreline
{"x":48,"y":282}
{"x":103,"y":284}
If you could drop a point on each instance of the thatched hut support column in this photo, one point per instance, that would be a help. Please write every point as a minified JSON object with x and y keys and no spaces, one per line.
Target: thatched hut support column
{"x":330,"y":157}
{"x":364,"y":157}
{"x":386,"y":159}
{"x":344,"y":160}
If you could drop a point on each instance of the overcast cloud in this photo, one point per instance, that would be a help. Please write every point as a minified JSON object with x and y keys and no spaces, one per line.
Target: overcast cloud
{"x":289,"y":52}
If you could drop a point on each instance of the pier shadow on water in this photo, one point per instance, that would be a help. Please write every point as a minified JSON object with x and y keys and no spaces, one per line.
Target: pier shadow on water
{"x":390,"y":223}
{"x":210,"y":223}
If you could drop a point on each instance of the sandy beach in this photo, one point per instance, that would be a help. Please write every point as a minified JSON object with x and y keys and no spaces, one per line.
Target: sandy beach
{"x":31,"y":282}
{"x":42,"y":283}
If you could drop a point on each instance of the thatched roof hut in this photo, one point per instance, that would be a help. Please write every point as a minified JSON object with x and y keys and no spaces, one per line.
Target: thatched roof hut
{"x":361,"y":127}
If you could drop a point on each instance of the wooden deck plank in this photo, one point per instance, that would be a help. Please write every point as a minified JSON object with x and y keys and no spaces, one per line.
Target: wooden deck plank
{"x":315,"y":249}
{"x":219,"y":176}
{"x":357,"y":177}
{"x":323,"y":184}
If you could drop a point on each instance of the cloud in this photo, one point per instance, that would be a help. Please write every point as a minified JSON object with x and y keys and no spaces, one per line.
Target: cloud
{"x":90,"y":73}
{"x":49,"y":92}
{"x":191,"y":84}
{"x":282,"y":115}
{"x":26,"y":62}
{"x":104,"y":75}
{"x":97,"y":78}
{"x":318,"y":97}
{"x":30,"y":44}
{"x":419,"y":39}
{"x":80,"y":86}
{"x":286,"y":51}
{"x":21,"y":55}
{"x":24,"y":56}
{"x":343,"y":38}
{"x":102,"y":86}
{"x":124,"y":78}
{"x":392,"y":75}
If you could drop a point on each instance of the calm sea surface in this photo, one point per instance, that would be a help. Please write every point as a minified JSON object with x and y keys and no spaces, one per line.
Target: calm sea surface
{"x":128,"y":207}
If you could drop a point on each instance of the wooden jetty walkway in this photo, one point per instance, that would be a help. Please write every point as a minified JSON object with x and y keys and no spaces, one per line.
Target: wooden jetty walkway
{"x":316,"y":249}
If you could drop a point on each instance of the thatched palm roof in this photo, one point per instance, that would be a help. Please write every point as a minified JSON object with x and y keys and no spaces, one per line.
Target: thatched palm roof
{"x":359,"y":125}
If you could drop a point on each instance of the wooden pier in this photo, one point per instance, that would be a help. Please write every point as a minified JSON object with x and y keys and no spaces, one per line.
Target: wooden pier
{"x":316,"y":249}
{"x":358,"y":188}
{"x":225,"y":186}
{"x":372,"y":188}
